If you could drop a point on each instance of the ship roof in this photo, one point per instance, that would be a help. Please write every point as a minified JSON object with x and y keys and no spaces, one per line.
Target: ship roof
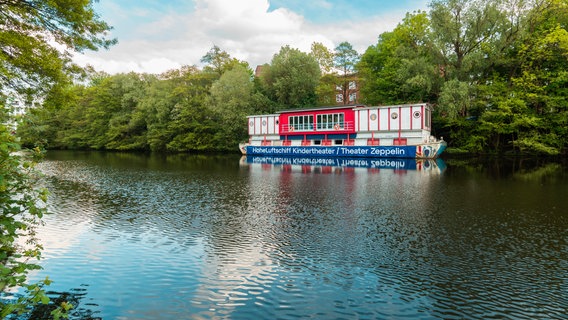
{"x":396,"y":105}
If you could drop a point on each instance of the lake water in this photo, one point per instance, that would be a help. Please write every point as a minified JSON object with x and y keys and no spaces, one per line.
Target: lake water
{"x":219,"y":237}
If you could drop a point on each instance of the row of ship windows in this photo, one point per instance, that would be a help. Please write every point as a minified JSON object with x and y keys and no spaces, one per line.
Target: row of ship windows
{"x":323,"y":122}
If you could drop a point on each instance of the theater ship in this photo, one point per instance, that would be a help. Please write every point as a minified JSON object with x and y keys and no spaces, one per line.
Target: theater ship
{"x":400,"y":131}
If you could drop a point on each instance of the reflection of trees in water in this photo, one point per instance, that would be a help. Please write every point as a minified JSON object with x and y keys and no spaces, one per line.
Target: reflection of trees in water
{"x":547,"y":171}
{"x":527,"y":169}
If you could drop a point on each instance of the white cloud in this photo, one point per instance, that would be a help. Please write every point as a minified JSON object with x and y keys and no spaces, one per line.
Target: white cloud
{"x":246,"y":29}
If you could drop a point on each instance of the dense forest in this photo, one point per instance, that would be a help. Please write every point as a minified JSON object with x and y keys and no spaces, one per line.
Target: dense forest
{"x":494,"y":70}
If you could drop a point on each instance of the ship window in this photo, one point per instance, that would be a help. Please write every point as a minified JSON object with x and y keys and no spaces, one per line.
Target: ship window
{"x":332,"y":121}
{"x":301,"y":123}
{"x":338,"y":141}
{"x":317,"y":142}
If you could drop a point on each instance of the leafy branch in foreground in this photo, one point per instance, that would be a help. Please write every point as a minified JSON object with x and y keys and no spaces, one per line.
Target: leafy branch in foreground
{"x":37,"y":41}
{"x":22,"y":206}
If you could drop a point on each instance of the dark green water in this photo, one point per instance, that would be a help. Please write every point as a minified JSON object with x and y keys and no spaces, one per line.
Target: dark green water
{"x":204,"y":237}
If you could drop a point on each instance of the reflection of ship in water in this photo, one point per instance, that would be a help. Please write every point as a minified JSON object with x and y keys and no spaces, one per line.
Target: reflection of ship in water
{"x":338,"y":165}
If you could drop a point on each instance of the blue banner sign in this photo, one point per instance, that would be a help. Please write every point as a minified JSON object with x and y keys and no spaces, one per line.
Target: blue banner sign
{"x":335,"y":151}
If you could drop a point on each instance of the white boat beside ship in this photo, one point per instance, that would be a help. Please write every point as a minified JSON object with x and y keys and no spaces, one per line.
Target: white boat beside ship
{"x":401,"y":131}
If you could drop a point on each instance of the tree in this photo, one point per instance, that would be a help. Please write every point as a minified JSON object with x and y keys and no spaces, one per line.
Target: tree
{"x":37,"y":38}
{"x":375,"y":72}
{"x":455,"y":99}
{"x":99,"y":116}
{"x":463,"y":32}
{"x":231,"y":102}
{"x":323,"y":56}
{"x":125,"y":131}
{"x":219,"y":61}
{"x":538,"y":82}
{"x":190,"y":125}
{"x":504,"y":69}
{"x":50,"y":125}
{"x":327,"y":89}
{"x":155,"y":109}
{"x":346,"y":59}
{"x":400,"y":68}
{"x":292,"y":78}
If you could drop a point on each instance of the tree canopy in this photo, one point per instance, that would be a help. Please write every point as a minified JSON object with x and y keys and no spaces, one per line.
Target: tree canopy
{"x":291,"y":78}
{"x":323,"y":56}
{"x":494,"y":69}
{"x":38,"y":38}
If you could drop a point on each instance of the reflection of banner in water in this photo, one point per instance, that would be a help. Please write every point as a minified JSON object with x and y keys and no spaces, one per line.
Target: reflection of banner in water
{"x":336,"y":151}
{"x":372,"y":163}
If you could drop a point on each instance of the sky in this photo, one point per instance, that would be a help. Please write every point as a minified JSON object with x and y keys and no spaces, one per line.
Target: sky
{"x":159,"y":35}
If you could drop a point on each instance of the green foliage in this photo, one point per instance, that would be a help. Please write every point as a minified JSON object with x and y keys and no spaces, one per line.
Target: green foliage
{"x":400,"y":67}
{"x":30,"y":30}
{"x":455,"y":98}
{"x":326,"y":90}
{"x":231,"y":102}
{"x":346,"y":58}
{"x":179,"y":111}
{"x":292,"y":78}
{"x":494,"y":69}
{"x":126,"y":128}
{"x":219,"y":61}
{"x":22,"y":207}
{"x":465,"y":32}
{"x":375,"y":74}
{"x":323,"y":56}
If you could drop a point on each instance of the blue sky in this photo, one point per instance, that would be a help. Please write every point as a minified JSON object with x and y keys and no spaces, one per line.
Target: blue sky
{"x":327,"y":11}
{"x":156,"y":35}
